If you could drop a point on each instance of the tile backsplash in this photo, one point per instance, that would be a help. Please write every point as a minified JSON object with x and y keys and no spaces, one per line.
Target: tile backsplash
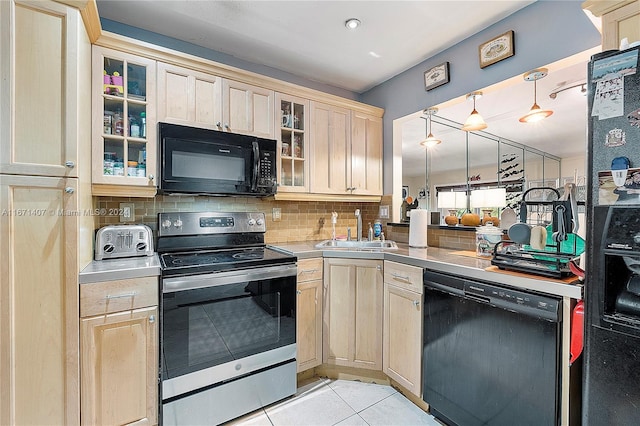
{"x":300,"y":221}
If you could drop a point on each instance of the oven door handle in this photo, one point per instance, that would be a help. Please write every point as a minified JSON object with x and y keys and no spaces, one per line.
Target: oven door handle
{"x":174,"y":284}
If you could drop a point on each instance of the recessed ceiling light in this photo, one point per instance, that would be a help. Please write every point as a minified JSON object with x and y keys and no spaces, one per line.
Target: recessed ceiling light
{"x":374,"y":54}
{"x":352,"y":23}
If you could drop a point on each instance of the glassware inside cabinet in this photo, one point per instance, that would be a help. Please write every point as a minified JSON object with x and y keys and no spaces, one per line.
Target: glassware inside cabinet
{"x":298,"y":145}
{"x":113,"y":157}
{"x":137,"y":120}
{"x":298,"y":116}
{"x":136,"y":82}
{"x":286,"y":176}
{"x":298,"y":173}
{"x":286,"y":143}
{"x":285,"y":114}
{"x":137,"y":159}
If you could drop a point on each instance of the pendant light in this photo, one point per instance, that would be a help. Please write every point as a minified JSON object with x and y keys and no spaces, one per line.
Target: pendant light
{"x":536,"y":113}
{"x":475,"y":120}
{"x":431,"y":140}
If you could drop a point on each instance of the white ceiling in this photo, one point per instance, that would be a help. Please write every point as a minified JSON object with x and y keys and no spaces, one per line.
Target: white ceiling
{"x":309,"y":39}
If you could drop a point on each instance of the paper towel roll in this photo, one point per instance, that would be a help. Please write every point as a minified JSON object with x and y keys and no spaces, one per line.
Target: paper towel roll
{"x":418,"y":228}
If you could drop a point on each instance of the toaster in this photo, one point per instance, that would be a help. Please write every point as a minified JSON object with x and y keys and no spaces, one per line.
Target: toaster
{"x":115,"y":241}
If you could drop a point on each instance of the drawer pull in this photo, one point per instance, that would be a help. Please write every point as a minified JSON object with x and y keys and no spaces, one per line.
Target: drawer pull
{"x":416,"y":303}
{"x":120,"y":296}
{"x":401,"y":277}
{"x":309,"y":271}
{"x":152,"y":319}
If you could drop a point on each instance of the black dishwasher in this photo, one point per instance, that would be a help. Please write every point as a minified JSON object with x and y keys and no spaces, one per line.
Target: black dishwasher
{"x":491,"y":354}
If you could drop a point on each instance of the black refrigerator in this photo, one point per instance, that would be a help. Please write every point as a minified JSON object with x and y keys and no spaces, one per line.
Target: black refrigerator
{"x":611,"y":379}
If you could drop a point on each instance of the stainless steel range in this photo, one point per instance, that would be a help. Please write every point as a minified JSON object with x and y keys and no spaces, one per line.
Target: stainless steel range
{"x":228,"y":339}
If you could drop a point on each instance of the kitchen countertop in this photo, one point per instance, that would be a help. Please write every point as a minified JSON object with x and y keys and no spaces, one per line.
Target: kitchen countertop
{"x":441,"y":260}
{"x":119,"y":269}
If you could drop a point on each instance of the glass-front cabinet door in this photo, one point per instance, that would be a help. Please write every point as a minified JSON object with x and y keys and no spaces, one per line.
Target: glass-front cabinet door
{"x":124,"y":136}
{"x":293,"y":140}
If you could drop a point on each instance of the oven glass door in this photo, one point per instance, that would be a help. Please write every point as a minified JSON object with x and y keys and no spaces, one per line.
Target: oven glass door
{"x":206,"y":166}
{"x":209,"y":320}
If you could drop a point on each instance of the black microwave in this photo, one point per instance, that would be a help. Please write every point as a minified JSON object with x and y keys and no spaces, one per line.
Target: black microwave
{"x":210,"y":162}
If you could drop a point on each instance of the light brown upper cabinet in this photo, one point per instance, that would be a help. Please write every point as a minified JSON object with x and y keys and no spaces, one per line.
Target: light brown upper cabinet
{"x":620,"y":19}
{"x":189,"y":97}
{"x":41,"y":85}
{"x":330,"y":144}
{"x":247,"y":109}
{"x":124,"y":124}
{"x":366,"y":154}
{"x":346,"y":149}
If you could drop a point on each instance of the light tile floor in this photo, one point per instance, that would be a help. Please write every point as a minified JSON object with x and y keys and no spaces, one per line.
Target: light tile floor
{"x":340,"y":402}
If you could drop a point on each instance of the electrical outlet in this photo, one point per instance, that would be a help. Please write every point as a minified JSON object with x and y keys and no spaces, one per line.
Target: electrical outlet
{"x":276,"y":214}
{"x":383,"y":212}
{"x":127,"y":212}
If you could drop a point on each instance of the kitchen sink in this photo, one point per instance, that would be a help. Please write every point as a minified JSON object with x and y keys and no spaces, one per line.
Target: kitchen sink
{"x":361,"y":245}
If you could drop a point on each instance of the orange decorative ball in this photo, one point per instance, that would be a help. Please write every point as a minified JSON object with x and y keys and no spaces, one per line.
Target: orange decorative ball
{"x":470,"y":219}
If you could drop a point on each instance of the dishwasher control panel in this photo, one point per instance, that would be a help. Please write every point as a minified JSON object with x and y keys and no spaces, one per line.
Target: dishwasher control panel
{"x":543,"y":307}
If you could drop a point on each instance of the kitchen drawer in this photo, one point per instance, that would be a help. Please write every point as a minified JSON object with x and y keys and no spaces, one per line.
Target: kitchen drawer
{"x":405,"y":276}
{"x":119,"y":295}
{"x":309,"y":269}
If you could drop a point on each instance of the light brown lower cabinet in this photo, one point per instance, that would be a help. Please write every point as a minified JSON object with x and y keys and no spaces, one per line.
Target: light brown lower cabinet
{"x":353,"y":313}
{"x":402,"y":335}
{"x":309,"y":314}
{"x":119,"y":356}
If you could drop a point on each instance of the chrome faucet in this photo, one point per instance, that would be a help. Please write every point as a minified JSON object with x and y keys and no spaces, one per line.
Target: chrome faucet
{"x":359,"y":226}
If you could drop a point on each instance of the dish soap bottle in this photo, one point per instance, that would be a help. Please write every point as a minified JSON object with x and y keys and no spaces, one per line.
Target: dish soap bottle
{"x":377,"y":229}
{"x":370,"y":234}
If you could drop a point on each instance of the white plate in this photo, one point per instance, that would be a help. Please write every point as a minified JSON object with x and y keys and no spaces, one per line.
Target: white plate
{"x":507,"y":218}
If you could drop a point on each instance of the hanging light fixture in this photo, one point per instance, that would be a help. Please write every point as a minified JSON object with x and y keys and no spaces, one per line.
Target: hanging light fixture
{"x":475,"y":120}
{"x":535,"y":113}
{"x":431,"y":140}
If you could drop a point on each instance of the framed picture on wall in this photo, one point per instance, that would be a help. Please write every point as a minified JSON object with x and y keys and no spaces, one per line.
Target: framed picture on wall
{"x":436,"y":76}
{"x":496,"y":49}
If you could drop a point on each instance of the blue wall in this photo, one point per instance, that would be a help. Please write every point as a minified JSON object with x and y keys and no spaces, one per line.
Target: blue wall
{"x":223,"y":58}
{"x":545,"y":31}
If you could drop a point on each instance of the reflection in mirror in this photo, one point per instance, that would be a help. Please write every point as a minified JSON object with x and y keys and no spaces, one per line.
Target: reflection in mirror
{"x":479,"y":161}
{"x":561,"y":136}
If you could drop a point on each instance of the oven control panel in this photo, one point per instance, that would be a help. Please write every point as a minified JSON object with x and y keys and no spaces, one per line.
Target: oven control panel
{"x":202,"y":223}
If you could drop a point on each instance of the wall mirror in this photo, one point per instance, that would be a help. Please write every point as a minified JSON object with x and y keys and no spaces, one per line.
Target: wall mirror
{"x":547,"y":153}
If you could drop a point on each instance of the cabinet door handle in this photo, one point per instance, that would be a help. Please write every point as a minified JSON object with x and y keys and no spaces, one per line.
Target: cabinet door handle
{"x":379,"y":268}
{"x":416,"y":303}
{"x":400,"y":277}
{"x":120,"y":296}
{"x":298,"y":292}
{"x":226,"y":126}
{"x":152,"y":319}
{"x":70,"y":164}
{"x":218,"y":124}
{"x":69,"y":190}
{"x":151,"y":178}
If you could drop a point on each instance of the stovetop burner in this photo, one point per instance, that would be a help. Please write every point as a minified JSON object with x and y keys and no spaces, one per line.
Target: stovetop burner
{"x":184,"y":263}
{"x":205,"y":242}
